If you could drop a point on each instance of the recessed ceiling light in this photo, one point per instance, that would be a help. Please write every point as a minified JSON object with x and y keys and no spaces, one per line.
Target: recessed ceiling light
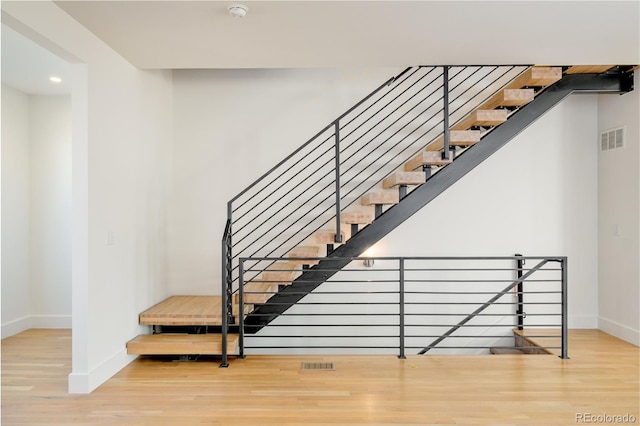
{"x":238,"y":10}
{"x":55,"y":79}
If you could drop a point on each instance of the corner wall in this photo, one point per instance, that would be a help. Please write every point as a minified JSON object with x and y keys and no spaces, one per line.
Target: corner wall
{"x":619,"y":219}
{"x":15,"y":211}
{"x":50,"y":211}
{"x":37,"y":211}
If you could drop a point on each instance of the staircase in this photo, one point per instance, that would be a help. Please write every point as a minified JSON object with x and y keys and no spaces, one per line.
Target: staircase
{"x":359,"y":178}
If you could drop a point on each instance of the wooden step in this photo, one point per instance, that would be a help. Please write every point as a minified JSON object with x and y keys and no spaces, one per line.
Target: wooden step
{"x":248,"y":307}
{"x":304,"y":251}
{"x":588,"y":69}
{"x":488,"y":117}
{"x":480,"y":117}
{"x":280,"y":273}
{"x":515,"y":97}
{"x":508,"y":97}
{"x":456,"y":138}
{"x":180,"y":344}
{"x":324,"y":236}
{"x":256,"y":292}
{"x":356,"y":218}
{"x":432,"y":158}
{"x":536,"y":76}
{"x":464,"y":137}
{"x":380,"y":197}
{"x":184,"y":310}
{"x":403,"y":178}
{"x":188,"y":310}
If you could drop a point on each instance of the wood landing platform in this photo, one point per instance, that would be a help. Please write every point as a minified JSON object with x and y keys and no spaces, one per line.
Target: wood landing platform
{"x":181,"y":344}
{"x":184,"y":310}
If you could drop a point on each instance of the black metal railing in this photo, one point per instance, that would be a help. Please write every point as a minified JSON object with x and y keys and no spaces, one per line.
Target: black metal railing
{"x":226,"y":299}
{"x":414,"y":305}
{"x":313,"y":186}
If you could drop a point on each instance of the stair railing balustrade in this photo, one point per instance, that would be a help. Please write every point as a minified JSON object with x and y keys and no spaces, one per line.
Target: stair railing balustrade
{"x":311,"y":187}
{"x":414,"y":305}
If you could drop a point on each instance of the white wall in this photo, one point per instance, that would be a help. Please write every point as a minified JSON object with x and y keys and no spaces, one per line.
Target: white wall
{"x":15,"y":211}
{"x":122,"y":130}
{"x":38,"y":169}
{"x":619,"y":220}
{"x":50,"y":211}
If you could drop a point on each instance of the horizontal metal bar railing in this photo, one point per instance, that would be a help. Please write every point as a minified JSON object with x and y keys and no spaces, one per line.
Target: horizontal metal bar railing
{"x":377,"y":308}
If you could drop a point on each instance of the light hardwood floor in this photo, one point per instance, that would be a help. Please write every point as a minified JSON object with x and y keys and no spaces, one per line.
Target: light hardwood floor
{"x":600,"y":378}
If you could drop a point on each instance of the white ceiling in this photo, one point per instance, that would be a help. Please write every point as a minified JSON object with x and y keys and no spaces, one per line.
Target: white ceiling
{"x":201,"y":34}
{"x":27,"y":66}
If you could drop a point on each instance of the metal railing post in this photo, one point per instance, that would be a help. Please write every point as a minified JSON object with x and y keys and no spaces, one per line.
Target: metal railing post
{"x":565,"y":310}
{"x":445,"y":87}
{"x":241,"y":308}
{"x":401,"y":307}
{"x":520,"y":292}
{"x":224,"y":295}
{"x":338,"y":238}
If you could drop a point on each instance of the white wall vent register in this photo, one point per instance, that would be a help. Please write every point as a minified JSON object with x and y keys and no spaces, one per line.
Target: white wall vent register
{"x":612,"y":139}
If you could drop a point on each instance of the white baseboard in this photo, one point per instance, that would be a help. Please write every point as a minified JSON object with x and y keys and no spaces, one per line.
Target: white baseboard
{"x":51,"y":321}
{"x":583,"y":321}
{"x":16,"y":326}
{"x":84,"y":383}
{"x":35,"y":321}
{"x":620,"y":331}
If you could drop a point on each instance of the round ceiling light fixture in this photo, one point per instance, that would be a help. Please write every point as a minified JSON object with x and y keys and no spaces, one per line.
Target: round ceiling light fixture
{"x":238,"y":10}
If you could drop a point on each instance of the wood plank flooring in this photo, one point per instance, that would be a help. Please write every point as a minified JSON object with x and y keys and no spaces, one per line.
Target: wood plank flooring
{"x":600,"y":378}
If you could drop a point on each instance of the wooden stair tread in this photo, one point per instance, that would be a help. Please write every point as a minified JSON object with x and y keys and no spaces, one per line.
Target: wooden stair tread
{"x":456,"y":138}
{"x":256,"y":292}
{"x":479,"y":117}
{"x":302,"y":252}
{"x":536,"y":76}
{"x":588,"y":69}
{"x":514,"y":97}
{"x":433,"y":158}
{"x":356,"y":218}
{"x":188,"y":310}
{"x":488,"y":117}
{"x":280,"y":273}
{"x":184,"y":310}
{"x":403,"y":178}
{"x":327,"y":237}
{"x":380,"y":197}
{"x":180,"y":344}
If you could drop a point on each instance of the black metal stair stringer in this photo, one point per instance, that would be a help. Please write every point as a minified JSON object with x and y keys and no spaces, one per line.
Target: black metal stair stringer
{"x":435,"y":185}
